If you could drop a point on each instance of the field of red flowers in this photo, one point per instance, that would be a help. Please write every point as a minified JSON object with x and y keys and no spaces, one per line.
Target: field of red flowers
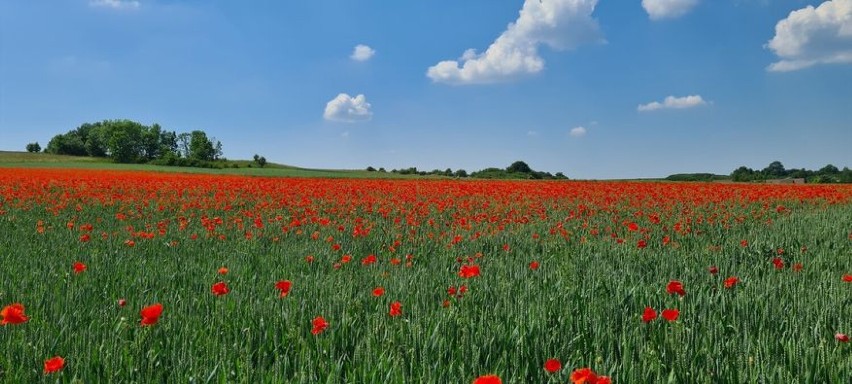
{"x":160,"y":277}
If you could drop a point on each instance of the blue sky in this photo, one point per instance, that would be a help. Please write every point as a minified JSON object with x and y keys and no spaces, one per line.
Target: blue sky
{"x":594,"y":89}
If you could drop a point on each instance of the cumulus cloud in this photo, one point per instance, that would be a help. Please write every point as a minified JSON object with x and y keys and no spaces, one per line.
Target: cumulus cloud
{"x":115,"y":4}
{"x":559,"y":24}
{"x":672,"y":102}
{"x":362,"y":53}
{"x":348,"y":109}
{"x":811,"y":36}
{"x":578,"y":132}
{"x":667,"y":9}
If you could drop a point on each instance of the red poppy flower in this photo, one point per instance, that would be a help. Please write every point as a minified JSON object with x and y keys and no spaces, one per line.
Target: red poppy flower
{"x":847,"y":278}
{"x":452,"y":291}
{"x":84,"y":238}
{"x":468,"y":271}
{"x":79,"y":267}
{"x":54,"y":364}
{"x":309,"y":258}
{"x":632,"y":227}
{"x":552,"y":365}
{"x":345,"y":259}
{"x":220,"y":289}
{"x":675,"y":287}
{"x":395,"y":309}
{"x":378,"y":291}
{"x":395,"y":261}
{"x":534,"y":265}
{"x":797,"y":267}
{"x":13,"y":314}
{"x":370,"y":259}
{"x":122,"y":302}
{"x":731,"y":282}
{"x":284,"y":286}
{"x":223,"y":271}
{"x":841,"y":337}
{"x":603,"y":380}
{"x":642,"y":244}
{"x":713,"y":270}
{"x":488,"y":379}
{"x":584,"y":376}
{"x":319,"y":325}
{"x":744,"y":243}
{"x":649,"y":314}
{"x":151,"y":314}
{"x":445,"y":303}
{"x":778,"y":262}
{"x":671,"y":314}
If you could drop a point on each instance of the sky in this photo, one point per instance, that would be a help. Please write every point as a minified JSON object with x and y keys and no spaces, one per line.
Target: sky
{"x":593,"y":89}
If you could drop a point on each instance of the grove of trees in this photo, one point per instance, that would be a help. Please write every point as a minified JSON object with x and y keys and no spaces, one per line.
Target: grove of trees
{"x":126,"y":141}
{"x":517,"y":170}
{"x":776,"y":170}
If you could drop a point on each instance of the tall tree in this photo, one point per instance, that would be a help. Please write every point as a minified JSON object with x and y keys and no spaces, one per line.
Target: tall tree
{"x":200,"y":147}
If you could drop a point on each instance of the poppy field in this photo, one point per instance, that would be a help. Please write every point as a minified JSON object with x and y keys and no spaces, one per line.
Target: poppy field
{"x":125,"y":276}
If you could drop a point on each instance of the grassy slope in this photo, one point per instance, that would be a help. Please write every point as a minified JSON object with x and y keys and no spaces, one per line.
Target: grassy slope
{"x":43,"y":160}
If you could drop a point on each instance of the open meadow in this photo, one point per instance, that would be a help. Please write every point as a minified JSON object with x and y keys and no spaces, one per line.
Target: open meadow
{"x":133,"y":276}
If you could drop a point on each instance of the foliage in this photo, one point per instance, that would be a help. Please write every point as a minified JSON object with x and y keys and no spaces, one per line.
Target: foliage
{"x":259,"y":160}
{"x":697,"y":177}
{"x":776,"y":170}
{"x":126,"y":141}
{"x":33,"y":147}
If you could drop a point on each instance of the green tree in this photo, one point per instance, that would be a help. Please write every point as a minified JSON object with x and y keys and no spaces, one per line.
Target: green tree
{"x":150,"y":145}
{"x":742,"y":173}
{"x":775,"y":169}
{"x":66,"y":144}
{"x":259,"y":160}
{"x":519,"y":167}
{"x":125,"y":141}
{"x":33,"y":147}
{"x":200,"y":147}
{"x":828,"y":170}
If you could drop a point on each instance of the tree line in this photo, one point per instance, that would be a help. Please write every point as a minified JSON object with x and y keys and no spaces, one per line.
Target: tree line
{"x":126,"y":141}
{"x":517,"y":170}
{"x":776,"y":170}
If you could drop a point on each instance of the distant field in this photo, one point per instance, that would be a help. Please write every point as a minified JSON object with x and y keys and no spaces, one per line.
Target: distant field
{"x":43,"y":160}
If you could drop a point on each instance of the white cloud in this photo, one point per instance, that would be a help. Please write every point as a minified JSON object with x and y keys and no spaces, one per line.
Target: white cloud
{"x":348,"y":109}
{"x":362,"y":53}
{"x":667,"y":9}
{"x":811,"y":36}
{"x":560,"y":24}
{"x":578,"y":132}
{"x":115,"y":4}
{"x":672,"y":102}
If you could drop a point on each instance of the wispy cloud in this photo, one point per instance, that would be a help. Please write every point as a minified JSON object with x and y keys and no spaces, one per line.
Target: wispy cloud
{"x":559,"y":24}
{"x":672,"y":102}
{"x":667,"y":9}
{"x":578,"y":132}
{"x":115,"y":4}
